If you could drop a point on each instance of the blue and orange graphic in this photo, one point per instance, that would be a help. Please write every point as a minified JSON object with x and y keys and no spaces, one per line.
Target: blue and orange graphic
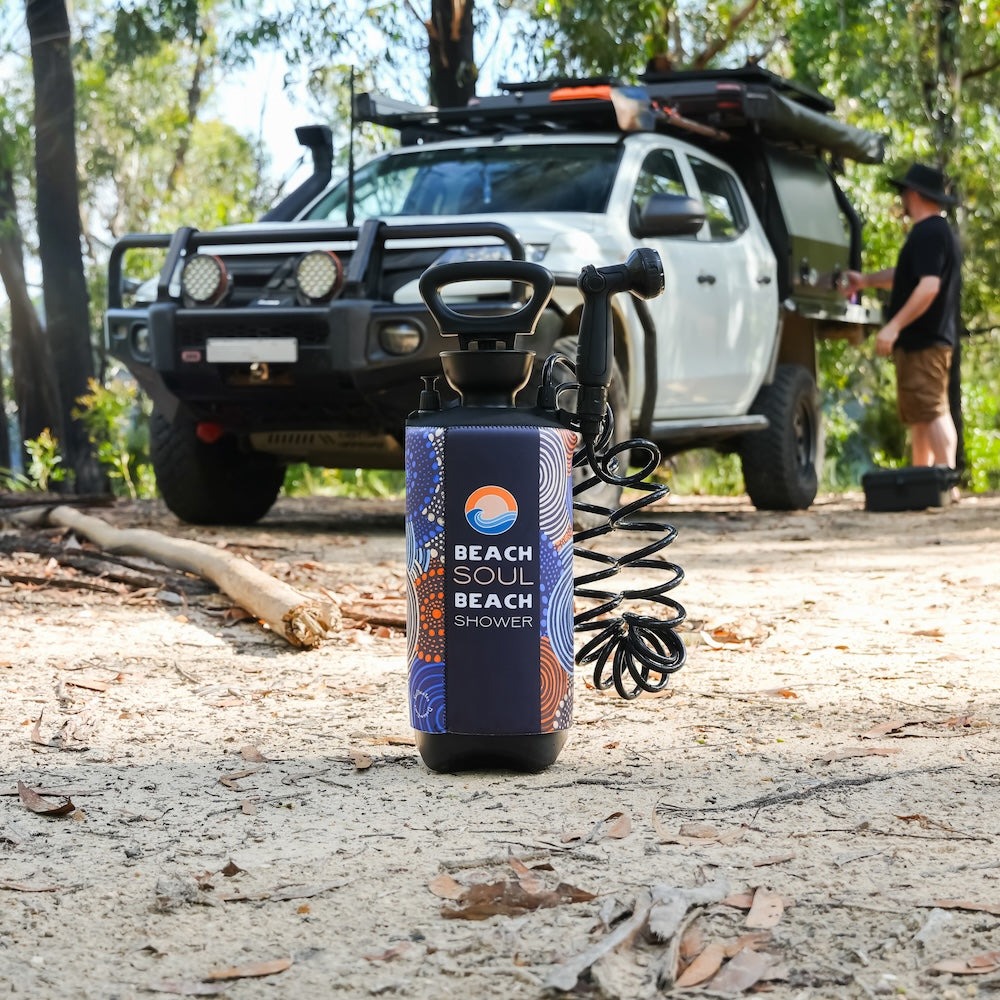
{"x":491,"y":510}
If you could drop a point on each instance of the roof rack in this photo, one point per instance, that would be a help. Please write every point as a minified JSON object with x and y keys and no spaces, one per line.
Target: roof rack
{"x":718,"y":105}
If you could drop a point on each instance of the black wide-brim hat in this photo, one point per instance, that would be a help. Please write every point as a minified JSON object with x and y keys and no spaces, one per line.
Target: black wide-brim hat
{"x":926,"y":181}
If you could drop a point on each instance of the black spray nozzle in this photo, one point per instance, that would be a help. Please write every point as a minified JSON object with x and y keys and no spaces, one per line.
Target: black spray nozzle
{"x":642,"y":275}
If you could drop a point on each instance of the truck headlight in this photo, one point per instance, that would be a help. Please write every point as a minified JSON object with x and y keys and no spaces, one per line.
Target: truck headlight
{"x":460,"y":255}
{"x":205,"y":280}
{"x":319,"y":275}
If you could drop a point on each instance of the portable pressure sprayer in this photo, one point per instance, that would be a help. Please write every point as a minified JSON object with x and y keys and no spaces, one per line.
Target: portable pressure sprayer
{"x":490,"y":497}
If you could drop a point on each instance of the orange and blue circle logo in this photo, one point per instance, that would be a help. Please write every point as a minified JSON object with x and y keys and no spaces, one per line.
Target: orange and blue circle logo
{"x":491,"y":510}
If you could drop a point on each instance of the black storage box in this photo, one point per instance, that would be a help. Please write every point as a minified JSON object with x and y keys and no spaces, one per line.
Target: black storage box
{"x":912,"y":488}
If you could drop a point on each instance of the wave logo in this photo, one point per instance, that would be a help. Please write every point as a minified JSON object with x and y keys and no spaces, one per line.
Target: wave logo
{"x":491,"y":510}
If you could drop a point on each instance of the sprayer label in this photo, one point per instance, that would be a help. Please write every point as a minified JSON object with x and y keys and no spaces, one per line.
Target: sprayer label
{"x":489,"y":623}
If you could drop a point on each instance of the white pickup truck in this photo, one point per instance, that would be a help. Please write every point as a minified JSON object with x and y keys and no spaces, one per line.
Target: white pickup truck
{"x":303,"y":338}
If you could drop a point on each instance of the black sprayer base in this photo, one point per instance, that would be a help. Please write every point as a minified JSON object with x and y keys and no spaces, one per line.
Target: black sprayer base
{"x":453,"y":752}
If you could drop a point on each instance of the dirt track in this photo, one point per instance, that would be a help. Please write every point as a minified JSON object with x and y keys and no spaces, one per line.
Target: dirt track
{"x":830,"y":746}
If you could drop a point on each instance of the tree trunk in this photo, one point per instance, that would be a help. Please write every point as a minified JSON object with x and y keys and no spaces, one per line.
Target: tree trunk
{"x":5,"y":462}
{"x":947,"y":117}
{"x":453,"y":70}
{"x":31,"y":362}
{"x":67,"y":320}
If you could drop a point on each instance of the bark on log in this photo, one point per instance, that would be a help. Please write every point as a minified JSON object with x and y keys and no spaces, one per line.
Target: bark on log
{"x":302,"y":621}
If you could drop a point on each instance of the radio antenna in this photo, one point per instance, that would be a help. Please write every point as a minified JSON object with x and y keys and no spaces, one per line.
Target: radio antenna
{"x":350,"y":160}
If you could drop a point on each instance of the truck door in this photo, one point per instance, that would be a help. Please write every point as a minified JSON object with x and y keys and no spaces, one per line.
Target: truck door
{"x":717,"y":321}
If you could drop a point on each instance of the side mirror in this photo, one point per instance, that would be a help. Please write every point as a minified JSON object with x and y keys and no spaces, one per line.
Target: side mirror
{"x":670,"y":215}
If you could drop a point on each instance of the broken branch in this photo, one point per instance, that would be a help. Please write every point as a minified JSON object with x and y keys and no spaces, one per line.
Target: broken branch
{"x":300,"y":620}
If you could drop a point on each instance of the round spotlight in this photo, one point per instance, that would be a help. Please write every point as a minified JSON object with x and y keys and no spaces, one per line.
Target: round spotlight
{"x":319,"y":275}
{"x":205,"y":280}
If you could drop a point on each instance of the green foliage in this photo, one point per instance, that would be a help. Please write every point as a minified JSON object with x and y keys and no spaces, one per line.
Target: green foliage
{"x":308,"y":480}
{"x":619,"y":37}
{"x":703,"y":472}
{"x":981,"y":408}
{"x":117,"y":422}
{"x":859,"y":414}
{"x":44,"y":461}
{"x":15,"y":482}
{"x":925,"y":74}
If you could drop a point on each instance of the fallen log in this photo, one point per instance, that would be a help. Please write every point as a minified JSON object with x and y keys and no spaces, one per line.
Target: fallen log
{"x":34,"y":498}
{"x":303,"y":621}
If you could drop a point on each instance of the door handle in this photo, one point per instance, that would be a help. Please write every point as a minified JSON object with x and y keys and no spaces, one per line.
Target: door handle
{"x":706,"y":279}
{"x":764,"y":279}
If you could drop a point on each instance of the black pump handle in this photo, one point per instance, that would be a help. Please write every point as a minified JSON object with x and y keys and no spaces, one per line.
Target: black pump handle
{"x":503,"y":327}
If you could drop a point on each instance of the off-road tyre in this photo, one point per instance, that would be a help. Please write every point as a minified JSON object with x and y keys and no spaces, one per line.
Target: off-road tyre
{"x":781,"y":465}
{"x":602,"y":494}
{"x":211,"y":483}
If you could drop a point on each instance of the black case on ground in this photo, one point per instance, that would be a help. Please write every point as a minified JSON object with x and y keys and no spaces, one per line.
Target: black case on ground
{"x":911,"y":488}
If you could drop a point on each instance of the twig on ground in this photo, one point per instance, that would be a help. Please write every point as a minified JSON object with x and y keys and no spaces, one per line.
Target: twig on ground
{"x":805,"y":793}
{"x":298,"y":619}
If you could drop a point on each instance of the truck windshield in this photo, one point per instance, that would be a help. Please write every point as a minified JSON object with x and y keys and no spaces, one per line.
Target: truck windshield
{"x":568,"y":177}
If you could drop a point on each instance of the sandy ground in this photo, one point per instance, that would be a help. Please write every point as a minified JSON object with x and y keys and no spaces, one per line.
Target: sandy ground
{"x":248,"y":820}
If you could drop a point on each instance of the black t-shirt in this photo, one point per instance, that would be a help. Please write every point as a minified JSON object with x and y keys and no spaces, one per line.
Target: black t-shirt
{"x":931,"y":249}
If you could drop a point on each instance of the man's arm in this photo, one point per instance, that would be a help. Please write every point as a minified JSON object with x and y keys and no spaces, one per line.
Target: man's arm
{"x":914,"y":307}
{"x":853,"y":280}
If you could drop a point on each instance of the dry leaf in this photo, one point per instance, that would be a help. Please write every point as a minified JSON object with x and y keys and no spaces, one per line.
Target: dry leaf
{"x":87,"y":684}
{"x":231,"y":869}
{"x":251,"y":971}
{"x":775,"y":859}
{"x":394,"y":952}
{"x":692,"y":943}
{"x":885,"y":728}
{"x":744,"y":970}
{"x":691,"y":834}
{"x":706,"y":965}
{"x":621,"y":826}
{"x":509,"y":899}
{"x":253,"y":755}
{"x":63,"y":741}
{"x":699,"y":830}
{"x":229,"y":780}
{"x":766,"y":910}
{"x":360,"y":760}
{"x":781,"y":693}
{"x":975,"y":966}
{"x":36,"y":732}
{"x":958,"y":904}
{"x":235,"y":614}
{"x":43,"y":806}
{"x":445,"y":887}
{"x":733,"y":836}
{"x":401,"y":741}
{"x":751,"y":942}
{"x":530,"y":882}
{"x":933,"y":633}
{"x":958,"y":722}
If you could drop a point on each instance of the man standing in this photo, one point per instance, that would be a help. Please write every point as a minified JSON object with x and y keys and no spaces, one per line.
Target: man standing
{"x":922,"y":329}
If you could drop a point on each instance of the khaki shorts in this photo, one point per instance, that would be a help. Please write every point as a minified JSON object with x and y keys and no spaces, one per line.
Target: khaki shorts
{"x":922,"y":383}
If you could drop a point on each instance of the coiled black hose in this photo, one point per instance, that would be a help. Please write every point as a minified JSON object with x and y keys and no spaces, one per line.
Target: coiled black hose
{"x":634,"y":652}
